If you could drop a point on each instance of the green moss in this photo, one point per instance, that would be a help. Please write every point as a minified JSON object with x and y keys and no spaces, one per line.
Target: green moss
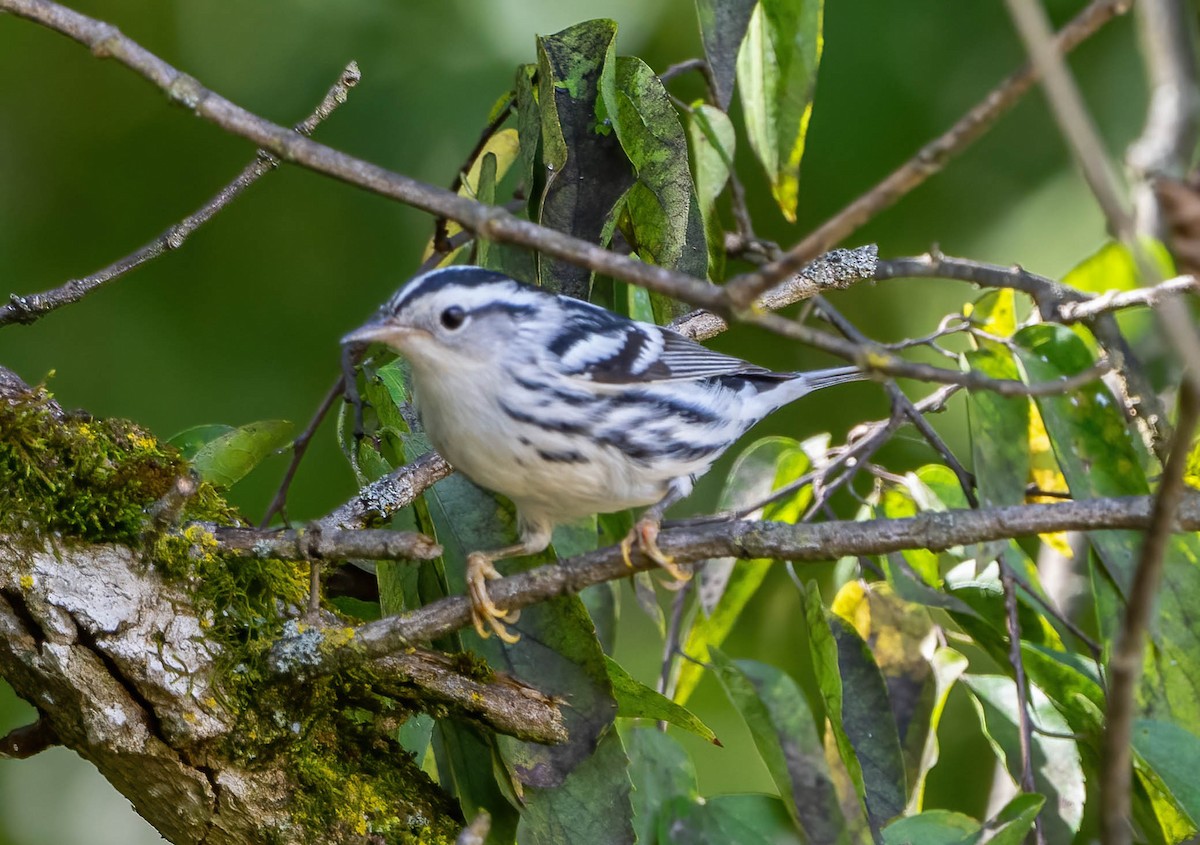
{"x":76,"y":478}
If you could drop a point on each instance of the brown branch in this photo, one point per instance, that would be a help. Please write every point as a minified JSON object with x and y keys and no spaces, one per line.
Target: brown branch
{"x":1169,"y":512}
{"x":384,"y":496}
{"x":501,"y":702}
{"x":27,"y":309}
{"x":1155,"y":296}
{"x":825,"y":541}
{"x":317,"y":543}
{"x":835,"y":270}
{"x":929,"y":160}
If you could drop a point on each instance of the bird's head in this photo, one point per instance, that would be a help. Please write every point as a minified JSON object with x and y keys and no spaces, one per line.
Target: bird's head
{"x":458,"y":312}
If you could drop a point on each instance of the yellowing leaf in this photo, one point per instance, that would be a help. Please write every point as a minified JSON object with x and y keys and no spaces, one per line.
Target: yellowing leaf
{"x":505,"y":146}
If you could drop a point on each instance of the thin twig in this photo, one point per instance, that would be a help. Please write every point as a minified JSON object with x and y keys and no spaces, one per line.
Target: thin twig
{"x":1013,"y":625}
{"x":299,"y":448}
{"x":441,"y":240}
{"x":929,"y":160}
{"x":1125,"y":667}
{"x":935,"y":530}
{"x":27,"y":309}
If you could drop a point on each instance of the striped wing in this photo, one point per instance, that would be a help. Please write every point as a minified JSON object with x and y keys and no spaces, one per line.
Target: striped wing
{"x":603,"y":347}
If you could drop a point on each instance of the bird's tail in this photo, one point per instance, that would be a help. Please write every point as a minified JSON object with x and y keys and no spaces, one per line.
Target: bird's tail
{"x":816,"y":379}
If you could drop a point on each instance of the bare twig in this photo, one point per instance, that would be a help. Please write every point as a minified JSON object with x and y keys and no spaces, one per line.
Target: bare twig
{"x":928,"y":161}
{"x":1155,"y":296}
{"x":317,"y":543}
{"x":1170,"y":505}
{"x":27,"y":309}
{"x":1013,"y":624}
{"x":748,"y":540}
{"x":299,"y":448}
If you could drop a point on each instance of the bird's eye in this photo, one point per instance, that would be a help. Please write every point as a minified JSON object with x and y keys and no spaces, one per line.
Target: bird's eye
{"x":453,"y":317}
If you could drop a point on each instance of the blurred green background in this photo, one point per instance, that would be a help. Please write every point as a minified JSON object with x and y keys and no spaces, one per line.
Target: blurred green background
{"x":242,"y":324}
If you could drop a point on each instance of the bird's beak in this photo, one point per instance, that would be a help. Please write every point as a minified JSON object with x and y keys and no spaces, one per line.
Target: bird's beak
{"x":381,"y":332}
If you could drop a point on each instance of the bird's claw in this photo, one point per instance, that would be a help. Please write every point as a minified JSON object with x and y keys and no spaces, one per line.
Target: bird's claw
{"x":645,"y":534}
{"x":484,"y":613}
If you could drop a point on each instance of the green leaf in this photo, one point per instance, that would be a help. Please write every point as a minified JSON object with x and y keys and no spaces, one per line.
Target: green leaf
{"x":944,"y":827}
{"x":776,"y":76}
{"x":860,"y":715}
{"x":711,"y":141}
{"x":726,"y":587}
{"x":1093,"y":445}
{"x":1113,"y":268}
{"x":1012,"y":824}
{"x":1057,"y":766}
{"x":948,"y":666}
{"x":415,"y":735}
{"x":227,"y":458}
{"x":726,"y":819}
{"x":587,"y":173}
{"x":635,"y":700}
{"x":1173,"y":754}
{"x":662,"y":214}
{"x":660,"y":770}
{"x":464,"y":764}
{"x":999,"y":428}
{"x":787,"y":738}
{"x":933,"y":827}
{"x":486,"y":193}
{"x":1099,"y":456}
{"x":592,"y":805}
{"x":722,"y":27}
{"x":189,"y":441}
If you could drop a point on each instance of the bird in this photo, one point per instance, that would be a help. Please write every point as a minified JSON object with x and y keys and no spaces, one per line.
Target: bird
{"x":568,"y":409}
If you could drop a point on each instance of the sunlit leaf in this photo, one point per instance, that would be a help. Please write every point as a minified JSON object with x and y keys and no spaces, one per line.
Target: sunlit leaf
{"x":856,"y":703}
{"x":726,"y":587}
{"x":660,"y":770}
{"x":1172,"y":753}
{"x":722,"y":27}
{"x":744,"y":819}
{"x":635,"y":700}
{"x":788,"y":741}
{"x":1113,"y":268}
{"x":503,"y":148}
{"x":776,"y":77}
{"x":228,"y":457}
{"x":1012,"y":824}
{"x":586,"y":172}
{"x":1057,"y":768}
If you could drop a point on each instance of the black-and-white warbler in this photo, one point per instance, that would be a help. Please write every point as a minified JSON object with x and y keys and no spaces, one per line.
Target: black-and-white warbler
{"x":569,"y":409}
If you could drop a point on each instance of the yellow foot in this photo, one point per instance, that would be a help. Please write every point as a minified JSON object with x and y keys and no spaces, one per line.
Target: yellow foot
{"x":645,"y":534}
{"x":484,"y":613}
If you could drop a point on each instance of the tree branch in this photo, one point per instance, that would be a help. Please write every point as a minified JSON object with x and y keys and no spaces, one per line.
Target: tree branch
{"x":28,"y":309}
{"x":825,"y":541}
{"x":317,"y":543}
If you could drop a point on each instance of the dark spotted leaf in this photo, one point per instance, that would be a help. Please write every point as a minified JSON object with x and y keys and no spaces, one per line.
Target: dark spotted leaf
{"x":660,"y":770}
{"x":744,"y":819}
{"x":722,"y":27}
